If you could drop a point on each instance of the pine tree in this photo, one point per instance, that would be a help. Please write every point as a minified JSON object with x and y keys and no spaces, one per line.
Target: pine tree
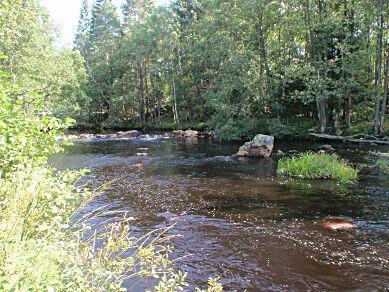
{"x":136,"y":11}
{"x":103,"y":37}
{"x":105,"y":24}
{"x":81,"y":37}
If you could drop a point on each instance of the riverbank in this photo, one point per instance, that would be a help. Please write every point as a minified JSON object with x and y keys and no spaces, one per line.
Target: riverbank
{"x":297,"y":131}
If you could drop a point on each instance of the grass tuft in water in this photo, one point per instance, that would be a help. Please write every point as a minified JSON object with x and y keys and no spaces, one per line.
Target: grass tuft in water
{"x":317,"y":166}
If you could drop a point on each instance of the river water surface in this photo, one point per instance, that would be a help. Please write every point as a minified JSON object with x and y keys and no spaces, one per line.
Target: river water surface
{"x":238,"y":219}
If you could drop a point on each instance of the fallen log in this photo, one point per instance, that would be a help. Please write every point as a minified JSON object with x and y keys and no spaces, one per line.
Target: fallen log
{"x":353,"y":139}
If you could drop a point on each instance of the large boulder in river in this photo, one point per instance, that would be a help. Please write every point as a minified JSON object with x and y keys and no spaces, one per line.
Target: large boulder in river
{"x":261,"y":146}
{"x":191,"y":134}
{"x":128,"y":134}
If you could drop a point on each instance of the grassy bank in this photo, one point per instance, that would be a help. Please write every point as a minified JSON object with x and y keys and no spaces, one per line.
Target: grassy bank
{"x":317,"y":166}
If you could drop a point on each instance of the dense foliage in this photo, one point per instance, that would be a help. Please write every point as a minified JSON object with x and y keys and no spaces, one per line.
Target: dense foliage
{"x":25,"y":137}
{"x":241,"y":66}
{"x":27,"y":38}
{"x":317,"y":165}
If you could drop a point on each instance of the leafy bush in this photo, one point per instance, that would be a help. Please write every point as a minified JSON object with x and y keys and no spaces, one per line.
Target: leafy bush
{"x":317,"y":165}
{"x":25,"y":137}
{"x":361,"y":128}
{"x":278,"y":129}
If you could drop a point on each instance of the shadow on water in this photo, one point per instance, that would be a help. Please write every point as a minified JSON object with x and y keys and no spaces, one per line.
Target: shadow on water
{"x":239,"y":220}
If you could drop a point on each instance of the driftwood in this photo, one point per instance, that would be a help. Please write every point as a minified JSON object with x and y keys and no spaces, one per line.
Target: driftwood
{"x":360,"y":138}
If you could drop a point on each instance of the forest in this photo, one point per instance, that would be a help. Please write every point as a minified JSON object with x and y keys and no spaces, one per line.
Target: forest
{"x":234,"y":67}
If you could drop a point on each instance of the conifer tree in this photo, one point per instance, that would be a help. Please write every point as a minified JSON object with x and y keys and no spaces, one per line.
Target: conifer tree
{"x":81,"y":37}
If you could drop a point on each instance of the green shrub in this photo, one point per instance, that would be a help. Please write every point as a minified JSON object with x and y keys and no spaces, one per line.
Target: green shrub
{"x":278,"y":129}
{"x":24,"y":136}
{"x":361,"y":128}
{"x":317,"y":165}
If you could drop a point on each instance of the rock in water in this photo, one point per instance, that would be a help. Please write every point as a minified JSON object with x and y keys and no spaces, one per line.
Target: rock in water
{"x":280,"y":153}
{"x":86,"y":136}
{"x":128,"y":134}
{"x":326,"y":148}
{"x":338,"y":225}
{"x":261,"y":146}
{"x":178,"y":133}
{"x":191,"y":134}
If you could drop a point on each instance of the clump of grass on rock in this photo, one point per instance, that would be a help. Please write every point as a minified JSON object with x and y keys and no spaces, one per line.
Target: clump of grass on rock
{"x":317,"y":166}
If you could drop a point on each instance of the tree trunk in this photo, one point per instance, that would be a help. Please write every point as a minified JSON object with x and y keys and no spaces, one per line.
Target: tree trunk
{"x":378,"y":83}
{"x":146,"y":90}
{"x":263,"y":65}
{"x":336,"y":118}
{"x":308,"y":25}
{"x":141,"y":94}
{"x":175,"y":111}
{"x":321,"y":68}
{"x":321,"y":103}
{"x":385,"y":96}
{"x":347,"y":101}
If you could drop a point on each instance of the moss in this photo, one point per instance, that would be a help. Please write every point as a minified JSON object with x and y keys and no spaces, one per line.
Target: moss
{"x":317,"y":166}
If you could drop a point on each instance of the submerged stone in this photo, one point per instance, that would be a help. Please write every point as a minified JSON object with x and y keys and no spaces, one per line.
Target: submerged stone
{"x":338,"y":225}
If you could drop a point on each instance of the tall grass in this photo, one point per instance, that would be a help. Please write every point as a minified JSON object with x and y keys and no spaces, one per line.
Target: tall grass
{"x":317,"y":165}
{"x":40,"y":250}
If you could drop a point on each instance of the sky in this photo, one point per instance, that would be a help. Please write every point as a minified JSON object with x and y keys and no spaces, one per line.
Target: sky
{"x":65,"y":15}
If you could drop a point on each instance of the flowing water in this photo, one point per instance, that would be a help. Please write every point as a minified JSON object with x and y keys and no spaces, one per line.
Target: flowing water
{"x":237,"y":218}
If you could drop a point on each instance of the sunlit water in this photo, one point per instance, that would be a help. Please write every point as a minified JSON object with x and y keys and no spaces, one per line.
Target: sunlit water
{"x":237,"y":218}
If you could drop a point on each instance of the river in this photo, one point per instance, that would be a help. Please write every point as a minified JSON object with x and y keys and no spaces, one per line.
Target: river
{"x":237,"y":218}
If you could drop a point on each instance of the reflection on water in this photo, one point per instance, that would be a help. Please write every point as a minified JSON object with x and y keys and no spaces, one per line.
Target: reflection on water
{"x":238,"y":219}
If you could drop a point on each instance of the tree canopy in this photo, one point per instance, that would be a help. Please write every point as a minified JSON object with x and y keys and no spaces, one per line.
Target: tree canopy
{"x":239,"y":67}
